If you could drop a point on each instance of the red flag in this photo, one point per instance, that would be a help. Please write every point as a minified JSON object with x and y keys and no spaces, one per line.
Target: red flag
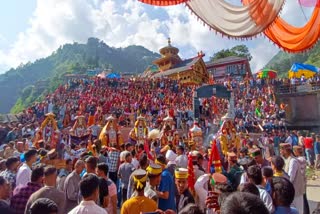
{"x":191,"y":177}
{"x":215,"y":158}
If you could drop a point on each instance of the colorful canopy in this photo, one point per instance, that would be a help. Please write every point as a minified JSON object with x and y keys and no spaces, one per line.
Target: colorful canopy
{"x":294,"y":39}
{"x":163,"y":2}
{"x":267,"y":74}
{"x":298,"y":69}
{"x":113,"y":76}
{"x":236,"y":21}
{"x":254,"y":17}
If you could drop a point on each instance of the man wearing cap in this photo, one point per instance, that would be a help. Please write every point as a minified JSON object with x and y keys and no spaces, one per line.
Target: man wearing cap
{"x":154,"y":174}
{"x":292,"y":168}
{"x":257,"y":156}
{"x":165,"y":192}
{"x":139,"y":204}
{"x":183,"y":196}
{"x":234,"y":172}
{"x":171,"y":159}
{"x":204,"y":182}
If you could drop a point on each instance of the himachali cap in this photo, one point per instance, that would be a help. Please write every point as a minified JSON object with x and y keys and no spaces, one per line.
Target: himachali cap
{"x":194,"y":155}
{"x":297,"y":148}
{"x":285,"y":146}
{"x":139,"y":177}
{"x":255,"y":152}
{"x":52,"y":154}
{"x":154,"y":169}
{"x":171,"y":156}
{"x":218,"y":178}
{"x":181,"y":173}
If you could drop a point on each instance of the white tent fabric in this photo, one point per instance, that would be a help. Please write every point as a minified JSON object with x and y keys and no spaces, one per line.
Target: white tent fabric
{"x":237,"y":21}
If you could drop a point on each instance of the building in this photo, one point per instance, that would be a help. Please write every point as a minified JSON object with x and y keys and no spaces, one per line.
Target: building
{"x":234,"y":66}
{"x":170,"y":65}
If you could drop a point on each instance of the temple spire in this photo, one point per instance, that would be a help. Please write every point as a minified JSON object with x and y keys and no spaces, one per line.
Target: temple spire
{"x":169,"y":41}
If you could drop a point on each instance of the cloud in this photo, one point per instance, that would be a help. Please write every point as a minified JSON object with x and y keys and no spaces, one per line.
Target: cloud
{"x":126,"y":22}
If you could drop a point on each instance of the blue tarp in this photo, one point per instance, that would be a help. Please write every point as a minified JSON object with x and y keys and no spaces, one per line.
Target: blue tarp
{"x":113,"y":76}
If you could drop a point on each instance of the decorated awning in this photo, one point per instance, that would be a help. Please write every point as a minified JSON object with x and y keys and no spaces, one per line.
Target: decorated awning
{"x":236,"y":21}
{"x":163,"y":2}
{"x":294,"y":39}
{"x":252,"y":18}
{"x":298,"y":70}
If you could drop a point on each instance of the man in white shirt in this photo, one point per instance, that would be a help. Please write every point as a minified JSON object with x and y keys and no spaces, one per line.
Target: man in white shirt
{"x":182,"y":159}
{"x":255,"y":176}
{"x":293,"y":169}
{"x":89,"y":188}
{"x":24,"y":172}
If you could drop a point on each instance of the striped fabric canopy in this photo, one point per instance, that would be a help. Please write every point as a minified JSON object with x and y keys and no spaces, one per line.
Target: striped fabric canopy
{"x":237,"y":21}
{"x":294,"y":39}
{"x":163,"y":2}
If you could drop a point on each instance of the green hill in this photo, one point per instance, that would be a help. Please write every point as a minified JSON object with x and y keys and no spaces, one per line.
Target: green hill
{"x":282,"y":61}
{"x":20,"y":87}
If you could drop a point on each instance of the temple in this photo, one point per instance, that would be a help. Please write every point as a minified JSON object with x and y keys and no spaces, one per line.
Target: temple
{"x":189,"y":71}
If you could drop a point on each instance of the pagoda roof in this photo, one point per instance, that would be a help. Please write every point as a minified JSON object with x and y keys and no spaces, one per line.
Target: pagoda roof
{"x":183,"y":66}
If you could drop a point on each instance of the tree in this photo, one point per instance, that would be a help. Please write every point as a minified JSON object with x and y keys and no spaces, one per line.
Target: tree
{"x":239,"y":50}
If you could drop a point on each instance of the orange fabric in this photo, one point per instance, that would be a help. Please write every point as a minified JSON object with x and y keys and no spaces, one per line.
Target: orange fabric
{"x":294,"y":39}
{"x":262,"y":13}
{"x":163,"y":2}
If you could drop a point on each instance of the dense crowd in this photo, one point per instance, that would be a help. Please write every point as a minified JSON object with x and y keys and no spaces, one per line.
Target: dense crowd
{"x":262,"y":168}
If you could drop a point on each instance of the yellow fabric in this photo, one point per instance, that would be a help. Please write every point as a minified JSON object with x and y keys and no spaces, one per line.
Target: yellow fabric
{"x":224,"y":144}
{"x":159,"y":163}
{"x":138,"y":204}
{"x":154,"y":171}
{"x":306,"y":73}
{"x":180,"y":175}
{"x":102,"y":136}
{"x":278,"y":174}
{"x":140,"y":181}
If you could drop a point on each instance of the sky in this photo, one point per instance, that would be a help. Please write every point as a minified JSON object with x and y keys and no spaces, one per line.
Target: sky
{"x":33,"y":29}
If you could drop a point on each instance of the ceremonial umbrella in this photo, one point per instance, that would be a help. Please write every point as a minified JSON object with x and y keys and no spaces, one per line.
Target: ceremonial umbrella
{"x":267,"y":74}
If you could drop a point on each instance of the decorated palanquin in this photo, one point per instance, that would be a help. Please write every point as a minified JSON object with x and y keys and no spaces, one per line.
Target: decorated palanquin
{"x":139,"y":133}
{"x":110,"y":134}
{"x":79,"y":132}
{"x":196,"y":137}
{"x":167,"y":131}
{"x":235,"y":141}
{"x":48,"y":132}
{"x":53,"y":159}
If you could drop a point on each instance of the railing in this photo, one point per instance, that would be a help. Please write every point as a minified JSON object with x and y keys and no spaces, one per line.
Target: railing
{"x":297,"y":88}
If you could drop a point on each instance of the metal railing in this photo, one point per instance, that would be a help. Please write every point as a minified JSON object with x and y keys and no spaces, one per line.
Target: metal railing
{"x":297,"y":88}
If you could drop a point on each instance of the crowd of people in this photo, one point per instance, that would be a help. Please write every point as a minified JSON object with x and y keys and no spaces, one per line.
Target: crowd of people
{"x":261,"y":166}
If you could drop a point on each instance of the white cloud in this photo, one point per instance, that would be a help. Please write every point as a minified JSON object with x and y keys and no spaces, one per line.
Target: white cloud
{"x":126,"y":22}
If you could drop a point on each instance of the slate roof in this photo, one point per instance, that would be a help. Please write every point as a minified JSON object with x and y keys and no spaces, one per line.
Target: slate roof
{"x":183,"y":66}
{"x":228,"y":59}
